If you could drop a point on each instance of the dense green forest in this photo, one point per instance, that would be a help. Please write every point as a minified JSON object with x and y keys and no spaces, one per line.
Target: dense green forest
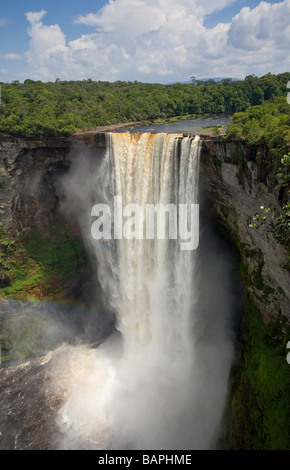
{"x":63,"y":107}
{"x":268,"y":124}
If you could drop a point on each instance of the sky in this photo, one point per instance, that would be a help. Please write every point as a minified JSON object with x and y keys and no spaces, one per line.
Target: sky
{"x":161,"y":41}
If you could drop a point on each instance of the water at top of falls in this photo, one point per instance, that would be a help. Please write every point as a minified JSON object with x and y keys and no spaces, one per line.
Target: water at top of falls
{"x":196,"y":124}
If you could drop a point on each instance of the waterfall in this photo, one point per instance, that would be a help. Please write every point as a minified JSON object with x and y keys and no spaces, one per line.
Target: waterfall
{"x":152,"y":385}
{"x":155,"y":276}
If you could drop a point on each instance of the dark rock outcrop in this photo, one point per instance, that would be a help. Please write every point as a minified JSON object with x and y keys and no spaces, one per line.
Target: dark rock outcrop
{"x":237,"y":186}
{"x":28,"y":168}
{"x":28,"y":407}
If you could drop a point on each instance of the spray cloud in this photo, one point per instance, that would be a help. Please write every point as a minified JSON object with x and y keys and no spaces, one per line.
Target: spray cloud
{"x":160,"y":381}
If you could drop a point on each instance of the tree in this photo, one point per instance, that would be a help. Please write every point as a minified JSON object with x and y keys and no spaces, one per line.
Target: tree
{"x":257,"y":96}
{"x":34,"y":107}
{"x":193,"y":79}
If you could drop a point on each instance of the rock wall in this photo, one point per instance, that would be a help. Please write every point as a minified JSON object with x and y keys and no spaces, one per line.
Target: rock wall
{"x":28,"y":169}
{"x":238,"y":183}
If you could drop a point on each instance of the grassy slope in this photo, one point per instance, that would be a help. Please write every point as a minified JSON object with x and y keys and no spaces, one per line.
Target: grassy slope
{"x":34,"y":268}
{"x":260,"y":402}
{"x":38,"y":266}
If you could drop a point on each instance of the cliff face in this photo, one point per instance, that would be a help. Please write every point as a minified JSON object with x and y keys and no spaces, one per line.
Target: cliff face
{"x":238,"y":182}
{"x":28,"y":169}
{"x":41,"y":251}
{"x":237,"y":186}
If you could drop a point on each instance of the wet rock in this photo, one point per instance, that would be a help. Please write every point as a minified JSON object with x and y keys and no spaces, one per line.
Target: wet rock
{"x":237,"y":186}
{"x":28,"y":408}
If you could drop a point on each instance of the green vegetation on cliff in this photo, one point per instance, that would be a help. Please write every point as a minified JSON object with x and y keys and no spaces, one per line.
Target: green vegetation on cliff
{"x":267,"y":127}
{"x":267,"y":124}
{"x":33,"y":108}
{"x":39,"y":266}
{"x":260,"y":396}
{"x":46,"y":267}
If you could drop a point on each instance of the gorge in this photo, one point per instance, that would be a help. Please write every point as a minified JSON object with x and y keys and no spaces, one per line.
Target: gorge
{"x":45,"y":184}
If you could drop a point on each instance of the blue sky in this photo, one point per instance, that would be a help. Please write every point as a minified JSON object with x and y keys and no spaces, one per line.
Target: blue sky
{"x":146,"y":40}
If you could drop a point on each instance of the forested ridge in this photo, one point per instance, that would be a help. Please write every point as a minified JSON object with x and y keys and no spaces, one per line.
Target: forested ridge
{"x":63,"y":107}
{"x":267,"y":124}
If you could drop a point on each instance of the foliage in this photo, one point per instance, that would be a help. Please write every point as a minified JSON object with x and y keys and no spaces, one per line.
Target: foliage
{"x":265,"y":125}
{"x":43,"y":267}
{"x":258,"y":220}
{"x":261,"y":399}
{"x":280,"y":225}
{"x":38,"y":265}
{"x":34,"y":108}
{"x":268,"y":126}
{"x":283,"y":175}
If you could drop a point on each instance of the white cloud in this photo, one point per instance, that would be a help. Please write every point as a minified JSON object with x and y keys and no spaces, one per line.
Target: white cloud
{"x":44,"y":38}
{"x":162,"y":40}
{"x":11,"y":56}
{"x":35,"y":16}
{"x":3,"y":21}
{"x":267,"y":25}
{"x":154,"y":9}
{"x":48,"y":55}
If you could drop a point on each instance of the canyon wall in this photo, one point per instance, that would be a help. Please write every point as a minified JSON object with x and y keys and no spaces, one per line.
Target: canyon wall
{"x":236,"y":184}
{"x":28,"y":171}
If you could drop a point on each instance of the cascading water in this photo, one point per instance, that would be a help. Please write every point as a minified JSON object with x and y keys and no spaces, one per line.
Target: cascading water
{"x":144,"y":388}
{"x":155,"y":276}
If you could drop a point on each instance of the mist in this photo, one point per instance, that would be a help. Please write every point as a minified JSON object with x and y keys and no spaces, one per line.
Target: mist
{"x":35,"y":328}
{"x":161,"y":380}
